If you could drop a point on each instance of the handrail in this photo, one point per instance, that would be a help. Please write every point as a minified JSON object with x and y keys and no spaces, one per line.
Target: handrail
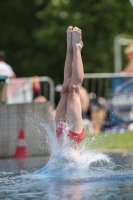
{"x":52,"y":86}
{"x":41,"y":79}
{"x":107,"y":75}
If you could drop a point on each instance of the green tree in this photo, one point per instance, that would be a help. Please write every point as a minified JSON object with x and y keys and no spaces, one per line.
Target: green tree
{"x":33,"y":33}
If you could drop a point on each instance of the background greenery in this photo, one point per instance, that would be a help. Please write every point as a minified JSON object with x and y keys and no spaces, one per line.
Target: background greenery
{"x":32,"y":33}
{"x":110,"y":140}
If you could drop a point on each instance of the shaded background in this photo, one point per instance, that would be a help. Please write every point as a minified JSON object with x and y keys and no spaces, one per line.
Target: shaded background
{"x":33,"y":33}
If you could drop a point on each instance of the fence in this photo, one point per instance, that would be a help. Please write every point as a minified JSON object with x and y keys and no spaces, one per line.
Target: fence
{"x":116,"y":89}
{"x":98,"y":83}
{"x":47,"y":89}
{"x":101,"y":83}
{"x":20,"y":90}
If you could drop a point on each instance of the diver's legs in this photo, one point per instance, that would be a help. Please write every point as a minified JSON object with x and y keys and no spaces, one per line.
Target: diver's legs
{"x":74,"y":110}
{"x":62,"y":106}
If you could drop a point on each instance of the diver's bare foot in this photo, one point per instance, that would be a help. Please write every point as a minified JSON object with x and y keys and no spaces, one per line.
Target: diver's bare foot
{"x":69,"y":38}
{"x":77,"y":38}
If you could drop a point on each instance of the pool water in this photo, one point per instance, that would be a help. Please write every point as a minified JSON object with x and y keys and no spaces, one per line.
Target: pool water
{"x":106,"y":176}
{"x":65,"y":175}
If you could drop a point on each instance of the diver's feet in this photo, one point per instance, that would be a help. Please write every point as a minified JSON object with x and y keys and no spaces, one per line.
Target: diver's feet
{"x":69,"y":37}
{"x":77,"y":38}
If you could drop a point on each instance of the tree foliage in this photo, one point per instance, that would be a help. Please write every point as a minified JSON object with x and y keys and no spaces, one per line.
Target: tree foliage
{"x":33,"y":33}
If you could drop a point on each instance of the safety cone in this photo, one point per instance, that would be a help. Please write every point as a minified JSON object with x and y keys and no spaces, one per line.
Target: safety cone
{"x":21,"y":151}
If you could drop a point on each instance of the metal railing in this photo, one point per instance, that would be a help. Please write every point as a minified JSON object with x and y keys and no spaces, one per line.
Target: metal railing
{"x":47,"y":87}
{"x":117,"y":94}
{"x":100,"y":83}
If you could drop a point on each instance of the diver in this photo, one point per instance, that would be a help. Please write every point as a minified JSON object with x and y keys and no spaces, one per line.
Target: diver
{"x":69,"y":111}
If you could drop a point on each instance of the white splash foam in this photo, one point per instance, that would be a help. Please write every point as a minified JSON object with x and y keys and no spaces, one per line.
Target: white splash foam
{"x":64,"y":159}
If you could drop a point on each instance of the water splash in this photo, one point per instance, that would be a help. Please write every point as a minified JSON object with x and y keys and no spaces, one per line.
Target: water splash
{"x":65,"y":159}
